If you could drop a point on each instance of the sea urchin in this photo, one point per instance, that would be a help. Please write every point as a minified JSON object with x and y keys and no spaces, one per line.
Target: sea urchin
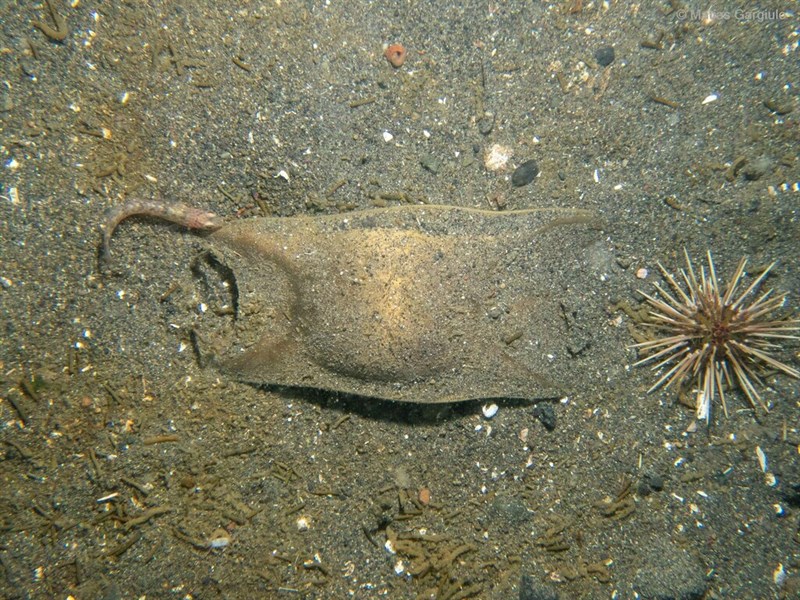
{"x":716,"y":337}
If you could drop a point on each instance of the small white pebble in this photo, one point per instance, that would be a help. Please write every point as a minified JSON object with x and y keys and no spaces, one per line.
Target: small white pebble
{"x":387,"y":137}
{"x":710,"y":98}
{"x":642,"y":273}
{"x":490,"y":410}
{"x":303,"y":523}
{"x":771,"y":480}
{"x":399,"y":567}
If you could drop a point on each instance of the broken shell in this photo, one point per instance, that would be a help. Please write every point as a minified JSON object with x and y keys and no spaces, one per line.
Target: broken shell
{"x":497,"y":157}
{"x":219,"y":539}
{"x":489,"y":410}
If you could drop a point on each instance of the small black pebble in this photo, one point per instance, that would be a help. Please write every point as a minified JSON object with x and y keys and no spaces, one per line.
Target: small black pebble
{"x":525,"y":173}
{"x":757,"y":168}
{"x":486,"y":124}
{"x":604,"y":56}
{"x":650,"y":482}
{"x":546,"y":416}
{"x":530,"y":589}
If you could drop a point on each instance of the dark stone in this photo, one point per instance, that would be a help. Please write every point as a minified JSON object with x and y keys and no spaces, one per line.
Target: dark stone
{"x":604,"y":56}
{"x":756,"y":169}
{"x":578,"y":343}
{"x":668,"y":572}
{"x":546,"y":415}
{"x":650,"y":482}
{"x":486,"y":123}
{"x":508,"y":512}
{"x":530,"y":589}
{"x":431,"y":164}
{"x":112,"y":592}
{"x":495,"y":312}
{"x":791,"y":493}
{"x":525,"y":173}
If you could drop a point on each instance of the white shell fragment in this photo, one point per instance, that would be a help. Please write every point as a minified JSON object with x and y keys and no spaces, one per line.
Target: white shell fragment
{"x":497,"y":157}
{"x":490,"y":410}
{"x":762,"y":459}
{"x":399,"y":567}
{"x":219,"y":539}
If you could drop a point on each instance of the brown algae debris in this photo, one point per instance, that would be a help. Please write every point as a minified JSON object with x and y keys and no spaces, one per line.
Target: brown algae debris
{"x":411,"y":303}
{"x":57,"y":33}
